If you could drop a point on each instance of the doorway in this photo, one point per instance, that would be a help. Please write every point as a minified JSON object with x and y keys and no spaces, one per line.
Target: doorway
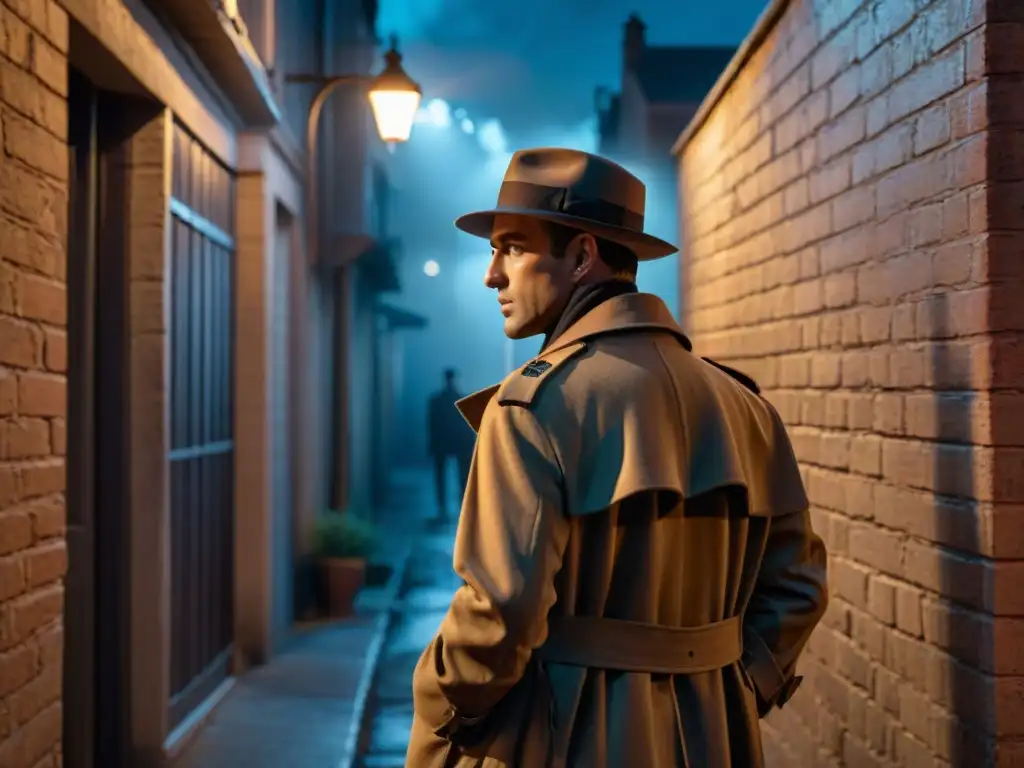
{"x":96,"y":649}
{"x":282,"y":433}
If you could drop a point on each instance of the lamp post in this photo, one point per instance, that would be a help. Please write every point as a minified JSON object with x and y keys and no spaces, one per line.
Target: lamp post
{"x":394,"y":99}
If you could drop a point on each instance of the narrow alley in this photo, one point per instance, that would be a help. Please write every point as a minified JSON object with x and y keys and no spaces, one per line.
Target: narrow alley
{"x":308,"y":706}
{"x":430,"y":583}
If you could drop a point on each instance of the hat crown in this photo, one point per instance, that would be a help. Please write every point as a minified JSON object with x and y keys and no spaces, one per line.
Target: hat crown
{"x":575,"y":189}
{"x":582,"y":175}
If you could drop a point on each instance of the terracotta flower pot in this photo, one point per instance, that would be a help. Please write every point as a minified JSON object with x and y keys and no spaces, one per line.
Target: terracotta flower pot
{"x":344,"y":577}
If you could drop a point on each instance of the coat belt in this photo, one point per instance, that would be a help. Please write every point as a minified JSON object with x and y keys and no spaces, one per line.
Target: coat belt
{"x":632,"y":646}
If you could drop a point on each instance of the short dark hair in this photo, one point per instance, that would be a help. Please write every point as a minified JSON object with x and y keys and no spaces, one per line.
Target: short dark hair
{"x":620,"y":258}
{"x":450,"y":373}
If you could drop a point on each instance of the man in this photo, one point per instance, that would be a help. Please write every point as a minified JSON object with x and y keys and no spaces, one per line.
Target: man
{"x":447,"y":437}
{"x":640,"y":574}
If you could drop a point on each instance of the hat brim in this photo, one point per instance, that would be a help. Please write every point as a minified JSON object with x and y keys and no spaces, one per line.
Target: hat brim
{"x":646,"y":247}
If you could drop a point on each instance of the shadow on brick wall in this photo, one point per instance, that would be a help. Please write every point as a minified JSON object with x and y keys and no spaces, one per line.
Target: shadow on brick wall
{"x":956,"y":684}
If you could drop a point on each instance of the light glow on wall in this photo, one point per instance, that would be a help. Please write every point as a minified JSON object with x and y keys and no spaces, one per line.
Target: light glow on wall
{"x":431,"y":268}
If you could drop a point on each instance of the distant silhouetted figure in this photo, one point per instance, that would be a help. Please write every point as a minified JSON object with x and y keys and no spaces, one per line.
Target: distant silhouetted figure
{"x":449,"y":436}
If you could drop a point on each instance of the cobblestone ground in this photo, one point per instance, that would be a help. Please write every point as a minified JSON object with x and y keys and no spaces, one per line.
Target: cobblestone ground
{"x":430,"y":586}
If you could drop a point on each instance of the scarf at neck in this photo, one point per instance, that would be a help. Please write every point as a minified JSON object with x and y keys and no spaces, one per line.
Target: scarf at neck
{"x":584,"y":299}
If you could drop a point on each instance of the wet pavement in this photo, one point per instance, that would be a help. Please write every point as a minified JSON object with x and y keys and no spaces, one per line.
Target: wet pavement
{"x":430,"y":584}
{"x":304,"y":708}
{"x":295,"y":711}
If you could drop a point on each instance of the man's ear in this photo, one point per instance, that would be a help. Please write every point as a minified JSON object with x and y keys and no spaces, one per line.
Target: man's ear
{"x":584,"y":253}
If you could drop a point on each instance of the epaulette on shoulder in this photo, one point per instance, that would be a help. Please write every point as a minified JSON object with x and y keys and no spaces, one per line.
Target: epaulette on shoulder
{"x":742,"y":378}
{"x":522,"y":386}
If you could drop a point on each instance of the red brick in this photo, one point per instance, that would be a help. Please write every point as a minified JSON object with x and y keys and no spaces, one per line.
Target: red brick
{"x":16,"y":40}
{"x":42,"y":478}
{"x":34,"y":146}
{"x":841,"y":134}
{"x":955,"y":216}
{"x":945,"y":572}
{"x":50,"y":66}
{"x":882,"y":598}
{"x":41,"y":395}
{"x":866,"y":455}
{"x":35,"y":696}
{"x":15,"y":531}
{"x":34,"y":740}
{"x":8,"y":289}
{"x":878,"y":548}
{"x":58,"y":437}
{"x":39,"y":252}
{"x":853,"y":208}
{"x":17,"y":667}
{"x":34,"y":611}
{"x":12,"y":578}
{"x":966,"y":635}
{"x":853,"y":664}
{"x":43,"y":299}
{"x":24,"y":438}
{"x":22,"y":92}
{"x":20,"y":343}
{"x":45,"y":564}
{"x":9,"y":493}
{"x":856,"y":369}
{"x":876,"y":71}
{"x":8,"y":393}
{"x":55,"y":355}
{"x":47,"y":517}
{"x":931,"y":129}
{"x":952,"y":263}
{"x":845,"y":91}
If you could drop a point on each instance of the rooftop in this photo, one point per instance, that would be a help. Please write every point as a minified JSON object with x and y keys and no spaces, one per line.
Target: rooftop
{"x":678,"y":75}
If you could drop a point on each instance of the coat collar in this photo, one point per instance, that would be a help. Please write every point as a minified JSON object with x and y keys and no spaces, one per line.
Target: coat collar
{"x":629,"y":312}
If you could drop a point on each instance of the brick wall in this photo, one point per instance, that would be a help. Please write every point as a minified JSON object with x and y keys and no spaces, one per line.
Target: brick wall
{"x":854,"y":239}
{"x":33,"y":188}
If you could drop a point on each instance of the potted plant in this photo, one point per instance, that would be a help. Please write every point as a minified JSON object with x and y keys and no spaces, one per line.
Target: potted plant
{"x":342,"y":543}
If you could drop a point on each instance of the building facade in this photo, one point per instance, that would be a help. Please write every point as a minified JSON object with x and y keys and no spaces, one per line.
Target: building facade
{"x":167,"y":353}
{"x":851,"y":203}
{"x":660,"y":90}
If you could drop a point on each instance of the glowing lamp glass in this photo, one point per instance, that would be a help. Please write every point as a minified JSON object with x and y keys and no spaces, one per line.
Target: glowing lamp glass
{"x":394,"y":113}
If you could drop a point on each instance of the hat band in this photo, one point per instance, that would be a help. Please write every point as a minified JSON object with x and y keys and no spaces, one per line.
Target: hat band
{"x":541,"y":198}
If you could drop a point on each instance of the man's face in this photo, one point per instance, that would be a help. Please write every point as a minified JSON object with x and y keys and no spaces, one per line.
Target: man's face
{"x":533,"y":284}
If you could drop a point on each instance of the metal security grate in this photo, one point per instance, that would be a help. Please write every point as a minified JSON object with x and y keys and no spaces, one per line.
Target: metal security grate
{"x":202,"y":428}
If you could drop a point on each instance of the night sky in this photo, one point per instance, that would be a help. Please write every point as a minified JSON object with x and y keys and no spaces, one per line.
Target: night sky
{"x":530,"y":61}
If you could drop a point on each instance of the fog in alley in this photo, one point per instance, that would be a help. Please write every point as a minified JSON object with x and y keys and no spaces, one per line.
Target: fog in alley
{"x":499,"y":77}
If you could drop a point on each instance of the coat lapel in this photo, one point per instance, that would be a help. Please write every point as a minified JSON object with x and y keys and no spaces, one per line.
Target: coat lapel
{"x":472,"y":407}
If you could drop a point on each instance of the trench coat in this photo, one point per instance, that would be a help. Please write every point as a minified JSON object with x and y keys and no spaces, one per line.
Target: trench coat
{"x":623,"y":492}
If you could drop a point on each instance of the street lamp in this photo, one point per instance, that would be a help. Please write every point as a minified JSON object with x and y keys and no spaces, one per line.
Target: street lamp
{"x":394,"y":99}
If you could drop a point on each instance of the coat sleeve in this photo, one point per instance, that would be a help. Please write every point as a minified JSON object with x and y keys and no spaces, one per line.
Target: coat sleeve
{"x":789,"y":598}
{"x":509,"y":546}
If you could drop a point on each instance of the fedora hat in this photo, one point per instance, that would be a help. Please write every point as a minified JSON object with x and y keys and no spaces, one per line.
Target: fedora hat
{"x":575,"y":189}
